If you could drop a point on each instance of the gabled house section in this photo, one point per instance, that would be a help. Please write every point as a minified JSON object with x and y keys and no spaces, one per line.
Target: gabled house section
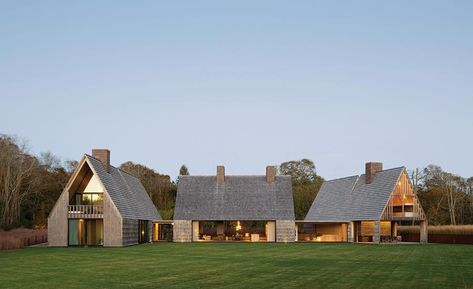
{"x":101,"y":205}
{"x":364,"y":208}
{"x":234,"y":208}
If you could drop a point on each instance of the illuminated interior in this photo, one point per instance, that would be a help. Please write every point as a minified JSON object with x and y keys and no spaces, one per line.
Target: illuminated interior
{"x":88,"y":190}
{"x":234,"y":231}
{"x":162,"y":232}
{"x":326,"y":232}
{"x":403,"y":204}
{"x":365,"y":230}
{"x":85,"y":232}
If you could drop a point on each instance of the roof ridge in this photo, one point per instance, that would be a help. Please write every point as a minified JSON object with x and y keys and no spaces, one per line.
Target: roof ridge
{"x":401,"y":167}
{"x":337,"y":179}
{"x":386,"y":170}
{"x":114,"y":167}
{"x":231,"y":176}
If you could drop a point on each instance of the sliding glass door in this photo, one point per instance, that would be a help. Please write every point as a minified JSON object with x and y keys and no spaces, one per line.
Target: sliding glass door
{"x":84,"y":232}
{"x":143,"y":231}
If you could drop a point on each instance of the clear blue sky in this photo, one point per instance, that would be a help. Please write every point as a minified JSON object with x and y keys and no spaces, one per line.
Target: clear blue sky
{"x":242,"y":83}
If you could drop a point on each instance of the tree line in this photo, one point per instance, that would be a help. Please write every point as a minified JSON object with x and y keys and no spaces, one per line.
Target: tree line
{"x":447,"y":198}
{"x":30,"y":186}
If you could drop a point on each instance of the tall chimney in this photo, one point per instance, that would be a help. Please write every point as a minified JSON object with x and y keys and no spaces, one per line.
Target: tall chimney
{"x":220,"y":174}
{"x":103,"y":155}
{"x":371,"y":169}
{"x":270,"y":174}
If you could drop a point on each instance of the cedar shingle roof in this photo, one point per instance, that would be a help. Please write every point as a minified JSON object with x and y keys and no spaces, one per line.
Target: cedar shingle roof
{"x":238,"y":198}
{"x":351,"y":199}
{"x":126,"y":191}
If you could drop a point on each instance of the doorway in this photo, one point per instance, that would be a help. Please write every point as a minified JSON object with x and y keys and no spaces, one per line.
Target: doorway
{"x":162,"y":232}
{"x":143,"y":231}
{"x":85,"y":232}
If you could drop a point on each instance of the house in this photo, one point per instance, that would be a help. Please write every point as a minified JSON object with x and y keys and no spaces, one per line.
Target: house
{"x":234,"y":208}
{"x":101,"y":205}
{"x":364,"y":208}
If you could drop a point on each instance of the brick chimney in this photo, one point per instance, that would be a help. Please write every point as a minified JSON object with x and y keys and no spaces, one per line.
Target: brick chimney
{"x":371,"y":169}
{"x":220,"y":174}
{"x":103,"y":155}
{"x":270,"y":174}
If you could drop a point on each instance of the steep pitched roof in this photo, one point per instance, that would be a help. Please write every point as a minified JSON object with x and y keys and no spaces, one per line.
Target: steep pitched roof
{"x":238,"y":198}
{"x":351,"y":199}
{"x":126,"y":191}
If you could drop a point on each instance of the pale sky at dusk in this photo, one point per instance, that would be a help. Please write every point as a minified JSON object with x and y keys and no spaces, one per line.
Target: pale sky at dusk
{"x":242,"y":83}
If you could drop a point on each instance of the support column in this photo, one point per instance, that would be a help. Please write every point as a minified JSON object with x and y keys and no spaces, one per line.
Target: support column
{"x":150,"y":231}
{"x":351,"y":232}
{"x":394,"y":229}
{"x":424,"y":232}
{"x":195,"y":231}
{"x":182,"y":231}
{"x":376,"y":233}
{"x":285,"y":231}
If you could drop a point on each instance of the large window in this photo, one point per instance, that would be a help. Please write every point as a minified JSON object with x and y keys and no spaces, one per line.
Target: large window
{"x":83,"y":232}
{"x":254,"y":231}
{"x":162,"y":232}
{"x":95,"y":199}
{"x":143,"y":231}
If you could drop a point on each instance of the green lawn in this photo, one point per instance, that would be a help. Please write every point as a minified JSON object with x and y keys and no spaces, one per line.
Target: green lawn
{"x":236,"y":265}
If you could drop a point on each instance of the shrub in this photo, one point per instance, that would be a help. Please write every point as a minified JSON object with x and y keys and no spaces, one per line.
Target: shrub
{"x":447,"y":230}
{"x":19,"y":238}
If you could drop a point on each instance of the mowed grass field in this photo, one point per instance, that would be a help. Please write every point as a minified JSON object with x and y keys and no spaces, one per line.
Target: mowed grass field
{"x":237,"y":265}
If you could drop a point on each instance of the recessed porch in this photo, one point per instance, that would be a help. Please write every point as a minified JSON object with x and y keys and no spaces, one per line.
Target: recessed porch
{"x":234,"y":231}
{"x":321,"y":232}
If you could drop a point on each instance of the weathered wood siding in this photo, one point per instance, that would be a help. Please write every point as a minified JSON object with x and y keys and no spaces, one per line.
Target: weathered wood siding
{"x":182,"y":231}
{"x":57,"y":222}
{"x":130,"y":232}
{"x":285,"y":231}
{"x":112,"y":224}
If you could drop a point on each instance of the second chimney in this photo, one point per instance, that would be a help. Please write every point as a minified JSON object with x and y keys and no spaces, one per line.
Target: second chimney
{"x":371,"y":169}
{"x":270,"y":174}
{"x":220,"y":174}
{"x":103,"y":155}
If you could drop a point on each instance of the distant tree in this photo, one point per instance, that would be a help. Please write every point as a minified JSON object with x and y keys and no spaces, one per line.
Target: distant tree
{"x":469,"y":192}
{"x":52,"y":178}
{"x":160,"y":188}
{"x":416,"y":176}
{"x":17,"y":180}
{"x":49,"y":161}
{"x":71,"y":165}
{"x":301,"y":171}
{"x":183,"y":171}
{"x":445,"y":197}
{"x":305,"y":184}
{"x":452,"y":185}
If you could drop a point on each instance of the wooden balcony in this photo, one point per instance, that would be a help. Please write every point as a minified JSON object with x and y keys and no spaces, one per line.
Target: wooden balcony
{"x":404,"y":216}
{"x":85,"y":212}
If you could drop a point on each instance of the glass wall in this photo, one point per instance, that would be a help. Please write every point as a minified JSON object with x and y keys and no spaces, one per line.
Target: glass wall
{"x":162,"y":232}
{"x":95,"y":199}
{"x":143,"y":231}
{"x":366,"y":230}
{"x":83,"y":232}
{"x":250,"y":231}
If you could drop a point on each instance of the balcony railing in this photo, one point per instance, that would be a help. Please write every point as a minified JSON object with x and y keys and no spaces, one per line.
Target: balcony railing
{"x":85,"y":211}
{"x":403,"y":215}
